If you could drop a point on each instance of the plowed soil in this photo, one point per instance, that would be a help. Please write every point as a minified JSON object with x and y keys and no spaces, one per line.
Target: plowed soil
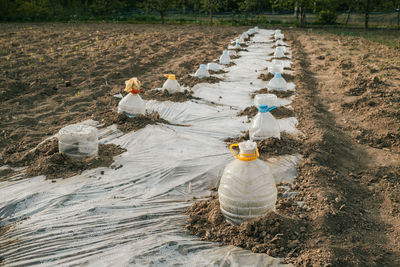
{"x":58,"y":74}
{"x":347,"y":103}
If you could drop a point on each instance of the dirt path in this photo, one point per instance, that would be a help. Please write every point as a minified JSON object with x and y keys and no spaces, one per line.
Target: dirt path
{"x":351,"y":188}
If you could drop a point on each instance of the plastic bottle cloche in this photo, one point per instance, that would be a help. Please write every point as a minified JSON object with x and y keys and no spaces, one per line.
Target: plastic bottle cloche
{"x":277,"y":83}
{"x":264,"y":125}
{"x":225,"y":59}
{"x":132,"y":104}
{"x":247,"y":188}
{"x":202,"y":72}
{"x":171,"y":85}
{"x":78,"y":140}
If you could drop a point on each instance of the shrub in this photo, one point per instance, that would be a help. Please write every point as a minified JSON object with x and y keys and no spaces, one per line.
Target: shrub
{"x":327,"y":16}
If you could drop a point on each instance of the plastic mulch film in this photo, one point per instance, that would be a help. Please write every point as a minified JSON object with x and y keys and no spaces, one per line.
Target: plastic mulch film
{"x":133,"y":215}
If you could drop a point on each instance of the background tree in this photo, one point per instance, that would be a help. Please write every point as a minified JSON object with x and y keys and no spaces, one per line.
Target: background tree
{"x":211,"y":6}
{"x":302,"y":6}
{"x":161,"y":6}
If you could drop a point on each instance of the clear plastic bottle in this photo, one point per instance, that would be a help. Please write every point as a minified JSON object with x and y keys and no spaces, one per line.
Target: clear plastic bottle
{"x":277,"y":83}
{"x":171,"y":85}
{"x":245,"y":35}
{"x":279,"y":43}
{"x":264,"y":125}
{"x":247,"y":188}
{"x":279,"y":52}
{"x":237,"y":46}
{"x":265,"y":99}
{"x":132,"y":103}
{"x":78,"y":140}
{"x":276,"y":66}
{"x":202,"y":72}
{"x":225,"y":59}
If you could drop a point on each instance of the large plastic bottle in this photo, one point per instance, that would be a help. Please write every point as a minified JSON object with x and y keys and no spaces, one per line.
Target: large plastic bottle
{"x":202,"y":72}
{"x":132,"y":103}
{"x":237,"y":46}
{"x":264,"y":125}
{"x":171,"y":85}
{"x":277,"y":83}
{"x":276,"y":66}
{"x":245,"y":35}
{"x":78,"y":140}
{"x":247,"y":188}
{"x":225,"y":59}
{"x":279,"y":52}
{"x":279,"y":43}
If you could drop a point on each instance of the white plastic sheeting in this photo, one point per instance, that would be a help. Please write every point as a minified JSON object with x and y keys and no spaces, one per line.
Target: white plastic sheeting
{"x":133,"y":215}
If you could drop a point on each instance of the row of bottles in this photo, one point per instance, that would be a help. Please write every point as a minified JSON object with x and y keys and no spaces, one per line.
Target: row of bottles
{"x":247,"y":188}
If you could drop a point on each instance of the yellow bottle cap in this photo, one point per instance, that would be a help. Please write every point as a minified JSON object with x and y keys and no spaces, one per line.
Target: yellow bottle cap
{"x":170,"y":76}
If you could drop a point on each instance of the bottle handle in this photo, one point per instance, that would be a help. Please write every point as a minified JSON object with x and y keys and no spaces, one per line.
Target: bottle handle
{"x":244,"y":157}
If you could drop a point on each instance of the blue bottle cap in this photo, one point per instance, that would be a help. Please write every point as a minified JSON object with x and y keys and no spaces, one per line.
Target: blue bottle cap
{"x":278,"y":75}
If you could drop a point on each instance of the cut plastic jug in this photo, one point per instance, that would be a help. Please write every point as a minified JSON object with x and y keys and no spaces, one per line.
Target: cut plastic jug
{"x":225,"y":59}
{"x":264,"y":125}
{"x":277,"y":31}
{"x":202,"y":72}
{"x":279,"y":43}
{"x":245,"y":36}
{"x":277,"y":83}
{"x":213,"y":67}
{"x":132,"y":103}
{"x":171,"y":85}
{"x":279,"y":52}
{"x":247,"y":188}
{"x":279,"y":36}
{"x":237,"y":46}
{"x":78,"y":140}
{"x":277,"y":66}
{"x":265,"y":99}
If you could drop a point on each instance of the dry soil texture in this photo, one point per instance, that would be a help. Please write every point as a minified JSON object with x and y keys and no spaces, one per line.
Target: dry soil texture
{"x":347,"y":103}
{"x":57,"y":74}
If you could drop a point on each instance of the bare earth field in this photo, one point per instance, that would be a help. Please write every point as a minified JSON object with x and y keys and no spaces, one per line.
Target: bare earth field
{"x":347,"y":104}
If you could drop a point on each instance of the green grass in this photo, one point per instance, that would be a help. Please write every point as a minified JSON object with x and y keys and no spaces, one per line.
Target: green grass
{"x":389,"y":37}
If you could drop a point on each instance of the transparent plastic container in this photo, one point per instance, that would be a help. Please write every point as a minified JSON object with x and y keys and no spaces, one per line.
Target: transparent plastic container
{"x":279,"y":52}
{"x":277,"y":31}
{"x":279,"y":43}
{"x":171,"y":85}
{"x":245,"y":35}
{"x":247,"y":188}
{"x":237,"y":46}
{"x":284,"y":63}
{"x":264,"y":125}
{"x":225,"y":59}
{"x":202,"y":72}
{"x":132,"y":104}
{"x":78,"y":140}
{"x":256,"y":29}
{"x":213,"y":67}
{"x":277,"y":66}
{"x":277,"y":83}
{"x":241,"y":40}
{"x":279,"y":36}
{"x":265,"y":99}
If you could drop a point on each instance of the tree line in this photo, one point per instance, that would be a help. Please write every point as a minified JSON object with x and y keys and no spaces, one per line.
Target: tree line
{"x":39,"y":10}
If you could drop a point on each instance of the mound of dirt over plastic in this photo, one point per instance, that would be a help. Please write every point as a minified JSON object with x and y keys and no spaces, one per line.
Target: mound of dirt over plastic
{"x":268,"y":76}
{"x":46,"y":160}
{"x":74,"y":78}
{"x":286,"y":145}
{"x":127,"y":124}
{"x":276,"y":234}
{"x":163,"y":95}
{"x":191,"y":81}
{"x":278,"y":113}
{"x":280,"y":94}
